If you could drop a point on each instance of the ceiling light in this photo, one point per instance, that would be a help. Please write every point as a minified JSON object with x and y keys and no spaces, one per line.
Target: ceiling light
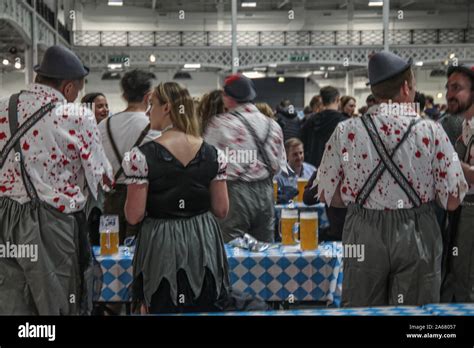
{"x":152,"y":58}
{"x":375,"y":3}
{"x":115,"y":3}
{"x":192,"y":66}
{"x":331,"y":68}
{"x":249,"y":4}
{"x":419,"y":63}
{"x":439,"y":95}
{"x":253,"y":74}
{"x":272,"y":65}
{"x":281,"y":79}
{"x":6,"y":62}
{"x":452,"y":55}
{"x":18,"y":65}
{"x":322,"y":68}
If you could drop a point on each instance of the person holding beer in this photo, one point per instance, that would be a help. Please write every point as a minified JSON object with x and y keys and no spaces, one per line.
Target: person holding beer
{"x":292,"y":183}
{"x":390,"y":166}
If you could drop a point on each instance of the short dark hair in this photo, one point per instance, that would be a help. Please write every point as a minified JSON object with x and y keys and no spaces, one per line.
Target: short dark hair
{"x":136,"y":84}
{"x":90,"y":97}
{"x":421,"y":99}
{"x":429,"y":99}
{"x":390,"y":89}
{"x":329,"y":95}
{"x":370,"y":99}
{"x":462,"y":69}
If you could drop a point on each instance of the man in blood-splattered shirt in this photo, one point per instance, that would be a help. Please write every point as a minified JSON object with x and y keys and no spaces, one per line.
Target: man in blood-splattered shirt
{"x":51,"y":152}
{"x":253,"y":144}
{"x":390,"y":167}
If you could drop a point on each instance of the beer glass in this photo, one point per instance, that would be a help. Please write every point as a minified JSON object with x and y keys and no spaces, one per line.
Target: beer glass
{"x":288,"y":226}
{"x":275,"y":191}
{"x":109,"y":234}
{"x":309,"y":230}
{"x":300,"y":186}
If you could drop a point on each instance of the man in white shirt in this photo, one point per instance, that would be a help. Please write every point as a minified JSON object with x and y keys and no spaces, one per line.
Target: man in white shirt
{"x":389,"y":167}
{"x":253,"y":144}
{"x":120,"y":133}
{"x":458,"y":285}
{"x":51,"y":153}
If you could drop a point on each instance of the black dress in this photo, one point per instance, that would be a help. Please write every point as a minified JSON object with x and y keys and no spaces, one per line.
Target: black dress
{"x":180,"y":263}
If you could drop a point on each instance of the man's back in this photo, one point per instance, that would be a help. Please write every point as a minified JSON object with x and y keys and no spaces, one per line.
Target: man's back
{"x":62,"y":152}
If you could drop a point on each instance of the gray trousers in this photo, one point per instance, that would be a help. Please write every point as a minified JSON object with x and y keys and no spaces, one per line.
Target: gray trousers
{"x":401,"y":263}
{"x":459,"y":282}
{"x":251,"y":211}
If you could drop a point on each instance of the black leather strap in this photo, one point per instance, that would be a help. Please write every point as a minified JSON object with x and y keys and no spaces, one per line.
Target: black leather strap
{"x":17,"y":133}
{"x":386,"y":163}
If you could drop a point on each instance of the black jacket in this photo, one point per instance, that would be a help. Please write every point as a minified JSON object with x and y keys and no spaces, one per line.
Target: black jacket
{"x":316,"y":132}
{"x":289,"y":122}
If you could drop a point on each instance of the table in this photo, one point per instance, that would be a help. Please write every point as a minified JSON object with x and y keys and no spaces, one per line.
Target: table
{"x":320,"y":208}
{"x":465,"y":309}
{"x":273,"y":275}
{"x":366,"y":311}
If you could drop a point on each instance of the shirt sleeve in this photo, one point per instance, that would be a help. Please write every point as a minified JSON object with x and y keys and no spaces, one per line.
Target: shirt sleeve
{"x":449,"y":177}
{"x":135,"y":167}
{"x":94,"y":161}
{"x":330,"y":172}
{"x":221,"y":166}
{"x":277,"y":148}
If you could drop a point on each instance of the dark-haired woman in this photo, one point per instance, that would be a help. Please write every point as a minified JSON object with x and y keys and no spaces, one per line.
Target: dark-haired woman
{"x":101,"y":106}
{"x":120,"y":133}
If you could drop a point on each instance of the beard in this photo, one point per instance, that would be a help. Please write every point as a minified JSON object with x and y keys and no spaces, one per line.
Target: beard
{"x":456,"y":106}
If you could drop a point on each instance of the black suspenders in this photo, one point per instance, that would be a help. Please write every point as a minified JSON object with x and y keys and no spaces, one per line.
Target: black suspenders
{"x":386,"y":163}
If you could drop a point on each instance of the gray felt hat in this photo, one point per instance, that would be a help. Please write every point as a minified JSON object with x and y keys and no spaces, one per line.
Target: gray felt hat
{"x":385,"y":65}
{"x":61,"y":63}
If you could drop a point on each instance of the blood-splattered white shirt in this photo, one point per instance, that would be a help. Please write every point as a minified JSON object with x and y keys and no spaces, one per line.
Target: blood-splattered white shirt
{"x":467,"y":135}
{"x":227,"y":133}
{"x":62,"y":152}
{"x":427,"y":159}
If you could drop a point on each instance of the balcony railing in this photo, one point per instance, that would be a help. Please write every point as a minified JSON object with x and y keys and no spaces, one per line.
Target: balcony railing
{"x":272,"y":38}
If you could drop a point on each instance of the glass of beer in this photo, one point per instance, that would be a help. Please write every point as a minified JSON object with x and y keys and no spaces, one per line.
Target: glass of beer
{"x":275,"y":191}
{"x":109,"y":234}
{"x":300,"y":186}
{"x":288,"y":225}
{"x":309,"y":230}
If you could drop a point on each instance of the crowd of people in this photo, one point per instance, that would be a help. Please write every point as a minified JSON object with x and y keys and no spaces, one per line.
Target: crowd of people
{"x":173,"y":169}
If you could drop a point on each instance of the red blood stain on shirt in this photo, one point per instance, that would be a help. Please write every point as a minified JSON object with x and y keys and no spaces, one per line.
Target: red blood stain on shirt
{"x":351,"y":136}
{"x":442,"y":174}
{"x":35,"y":133}
{"x":436,"y":142}
{"x":2,"y":135}
{"x":385,"y":129}
{"x":71,"y":147}
{"x":134,"y":168}
{"x":3,"y":120}
{"x":26,"y":146}
{"x":66,"y":162}
{"x":397,"y":131}
{"x":61,"y":208}
{"x":329,"y":147}
{"x":418,"y":154}
{"x":426,"y":141}
{"x":439,"y":155}
{"x":56,"y":199}
{"x":364,"y":155}
{"x":3,"y":189}
{"x":72,"y":132}
{"x":344,"y":189}
{"x":54,"y":156}
{"x":85,"y":156}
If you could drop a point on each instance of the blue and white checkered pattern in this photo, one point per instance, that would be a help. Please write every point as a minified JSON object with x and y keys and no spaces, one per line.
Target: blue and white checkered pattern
{"x":273,"y":275}
{"x":277,"y":275}
{"x":464,"y":309}
{"x":117,"y":275}
{"x":368,"y":311}
{"x":320,"y":208}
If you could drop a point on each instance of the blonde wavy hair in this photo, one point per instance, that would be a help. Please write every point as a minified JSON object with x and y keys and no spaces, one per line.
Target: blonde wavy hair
{"x":182,"y":110}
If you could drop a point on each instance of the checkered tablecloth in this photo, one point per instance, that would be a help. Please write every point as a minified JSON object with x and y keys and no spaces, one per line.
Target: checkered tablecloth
{"x":273,"y":275}
{"x":368,"y":311}
{"x":277,"y":275}
{"x":464,"y":309}
{"x":113,"y":276}
{"x":320,"y":208}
